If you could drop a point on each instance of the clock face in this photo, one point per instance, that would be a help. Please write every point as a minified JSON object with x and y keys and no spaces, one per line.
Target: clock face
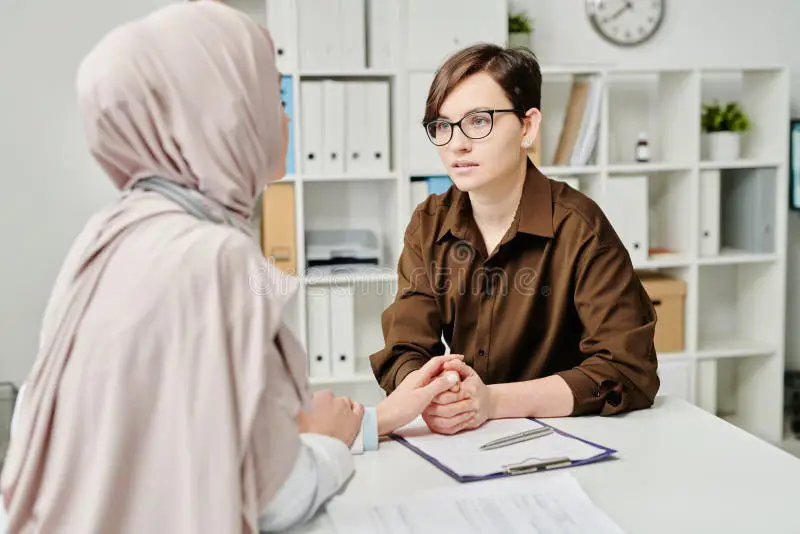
{"x":625,"y":22}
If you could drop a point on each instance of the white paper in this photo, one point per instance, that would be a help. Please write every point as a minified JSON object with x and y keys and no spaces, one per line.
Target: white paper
{"x":461,"y":452}
{"x":554,"y":504}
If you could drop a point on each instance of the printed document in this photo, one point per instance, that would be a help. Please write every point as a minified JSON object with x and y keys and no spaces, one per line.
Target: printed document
{"x":461,"y":452}
{"x":549,"y":504}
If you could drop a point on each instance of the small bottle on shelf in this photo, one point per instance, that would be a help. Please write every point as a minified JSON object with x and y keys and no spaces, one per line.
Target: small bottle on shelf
{"x":642,"y":149}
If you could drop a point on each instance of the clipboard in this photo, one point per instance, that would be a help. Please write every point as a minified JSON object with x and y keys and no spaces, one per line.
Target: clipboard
{"x":526,"y":466}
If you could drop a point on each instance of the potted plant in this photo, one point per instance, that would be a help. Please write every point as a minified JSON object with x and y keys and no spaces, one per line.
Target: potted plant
{"x":723,"y":126}
{"x":519,"y":29}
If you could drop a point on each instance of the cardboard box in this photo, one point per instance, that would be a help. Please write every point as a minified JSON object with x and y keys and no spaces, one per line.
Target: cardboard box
{"x":668,"y":296}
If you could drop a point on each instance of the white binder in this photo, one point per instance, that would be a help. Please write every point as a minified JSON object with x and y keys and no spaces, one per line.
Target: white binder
{"x":626,"y":207}
{"x":378,"y":110}
{"x":319,"y":332}
{"x":342,"y":314}
{"x":709,"y":212}
{"x":356,"y":128}
{"x":332,"y":126}
{"x":311,"y":99}
{"x":319,"y":37}
{"x":352,"y":32}
{"x":382,"y":16}
{"x":279,"y":22}
{"x":423,"y":159}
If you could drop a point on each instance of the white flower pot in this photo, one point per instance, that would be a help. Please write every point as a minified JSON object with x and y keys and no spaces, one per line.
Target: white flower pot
{"x":519,"y":39}
{"x":723,"y":146}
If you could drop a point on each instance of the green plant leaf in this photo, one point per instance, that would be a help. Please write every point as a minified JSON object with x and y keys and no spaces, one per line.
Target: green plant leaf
{"x":729,"y":117}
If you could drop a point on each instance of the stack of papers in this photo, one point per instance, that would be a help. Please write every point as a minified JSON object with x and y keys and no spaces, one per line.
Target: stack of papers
{"x":551,"y":504}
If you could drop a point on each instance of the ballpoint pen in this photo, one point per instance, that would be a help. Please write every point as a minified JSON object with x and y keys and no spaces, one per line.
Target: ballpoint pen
{"x":517,"y":438}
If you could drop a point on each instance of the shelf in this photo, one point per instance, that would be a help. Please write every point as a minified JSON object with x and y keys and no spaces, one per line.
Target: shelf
{"x":663,"y":261}
{"x":384,"y":275}
{"x":733,"y":348}
{"x":360,"y":73}
{"x":738,"y":302}
{"x":566,"y":170}
{"x":349,"y":177}
{"x":570,"y":70}
{"x":644,"y":168}
{"x":667,"y":357}
{"x":358,"y":378}
{"x":739,"y":164}
{"x":660,"y":104}
{"x":763,"y":95}
{"x":731,"y":256}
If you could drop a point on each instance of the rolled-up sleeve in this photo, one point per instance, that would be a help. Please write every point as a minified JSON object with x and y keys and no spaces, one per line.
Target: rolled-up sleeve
{"x":620,"y":371}
{"x":411,"y":325}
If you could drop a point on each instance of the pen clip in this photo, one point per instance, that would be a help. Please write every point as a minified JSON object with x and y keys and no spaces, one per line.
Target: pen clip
{"x":530,"y":465}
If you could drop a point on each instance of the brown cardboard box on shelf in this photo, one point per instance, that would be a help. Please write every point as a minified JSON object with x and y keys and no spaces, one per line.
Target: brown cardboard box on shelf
{"x":278,"y":226}
{"x":668,"y":295}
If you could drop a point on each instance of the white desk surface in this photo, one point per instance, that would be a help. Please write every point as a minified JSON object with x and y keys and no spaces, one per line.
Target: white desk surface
{"x":679,"y":469}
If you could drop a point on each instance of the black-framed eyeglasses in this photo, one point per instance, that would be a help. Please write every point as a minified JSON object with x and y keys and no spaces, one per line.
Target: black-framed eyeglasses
{"x":475,"y":125}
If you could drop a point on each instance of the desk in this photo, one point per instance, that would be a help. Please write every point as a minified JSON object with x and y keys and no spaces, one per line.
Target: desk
{"x":679,"y":469}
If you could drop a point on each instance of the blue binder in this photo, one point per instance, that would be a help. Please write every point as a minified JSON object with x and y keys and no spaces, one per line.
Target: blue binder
{"x":438,"y":184}
{"x":287,"y":99}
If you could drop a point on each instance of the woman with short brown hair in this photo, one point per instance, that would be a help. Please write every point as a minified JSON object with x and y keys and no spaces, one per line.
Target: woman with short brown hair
{"x":522,"y":275}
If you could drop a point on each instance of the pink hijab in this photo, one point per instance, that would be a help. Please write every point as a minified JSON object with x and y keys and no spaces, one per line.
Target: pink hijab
{"x":165,"y":391}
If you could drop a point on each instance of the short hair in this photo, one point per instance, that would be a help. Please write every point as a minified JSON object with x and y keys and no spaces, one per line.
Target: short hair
{"x":516,"y":70}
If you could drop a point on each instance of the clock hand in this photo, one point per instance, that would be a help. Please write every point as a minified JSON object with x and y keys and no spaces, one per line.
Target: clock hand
{"x":620,"y":11}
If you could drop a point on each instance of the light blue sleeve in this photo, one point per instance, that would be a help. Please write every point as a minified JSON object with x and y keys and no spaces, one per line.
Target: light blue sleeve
{"x":369,"y":429}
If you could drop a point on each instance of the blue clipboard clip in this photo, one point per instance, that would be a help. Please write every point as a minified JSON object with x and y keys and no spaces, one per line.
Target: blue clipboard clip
{"x":529,"y":465}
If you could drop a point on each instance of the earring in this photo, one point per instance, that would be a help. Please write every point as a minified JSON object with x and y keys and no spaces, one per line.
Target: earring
{"x":526,"y":142}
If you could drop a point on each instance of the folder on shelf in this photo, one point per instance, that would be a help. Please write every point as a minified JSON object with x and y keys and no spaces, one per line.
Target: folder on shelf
{"x":352,"y":31}
{"x":438,"y":185}
{"x":378,"y":108}
{"x":278,"y":226}
{"x":382,"y":16}
{"x":319,"y":34}
{"x":709,"y":212}
{"x":279,"y":22}
{"x":311,"y":100}
{"x":356,"y":128}
{"x":342,"y":319}
{"x":287,"y":99}
{"x":461,"y":457}
{"x":579,"y":131}
{"x":319,"y":331}
{"x":332,"y":126}
{"x":590,"y":124}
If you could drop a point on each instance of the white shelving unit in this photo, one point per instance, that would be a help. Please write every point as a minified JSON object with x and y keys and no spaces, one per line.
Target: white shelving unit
{"x":733,"y":357}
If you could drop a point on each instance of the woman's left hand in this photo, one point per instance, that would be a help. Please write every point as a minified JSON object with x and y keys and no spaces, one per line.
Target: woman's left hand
{"x":415,"y":393}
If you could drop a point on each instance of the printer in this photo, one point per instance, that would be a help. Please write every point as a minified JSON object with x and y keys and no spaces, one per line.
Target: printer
{"x":342,"y":251}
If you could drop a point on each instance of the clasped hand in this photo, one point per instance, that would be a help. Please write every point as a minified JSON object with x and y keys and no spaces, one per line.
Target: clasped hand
{"x":449,"y":395}
{"x":465,"y":406}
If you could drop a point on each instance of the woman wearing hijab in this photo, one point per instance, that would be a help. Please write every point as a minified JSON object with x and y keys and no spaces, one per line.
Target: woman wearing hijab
{"x":168,"y":395}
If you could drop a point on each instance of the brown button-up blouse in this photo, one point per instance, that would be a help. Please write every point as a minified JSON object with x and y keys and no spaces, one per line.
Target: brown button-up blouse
{"x":559,"y":295}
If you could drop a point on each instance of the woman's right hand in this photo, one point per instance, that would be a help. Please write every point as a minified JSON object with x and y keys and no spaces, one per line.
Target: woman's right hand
{"x":337,"y":417}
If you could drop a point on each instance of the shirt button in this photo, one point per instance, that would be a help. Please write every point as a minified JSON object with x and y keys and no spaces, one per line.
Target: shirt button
{"x":481,"y":352}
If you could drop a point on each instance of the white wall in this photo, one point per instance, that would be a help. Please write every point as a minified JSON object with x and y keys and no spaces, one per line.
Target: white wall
{"x":49,"y":183}
{"x":694,"y":33}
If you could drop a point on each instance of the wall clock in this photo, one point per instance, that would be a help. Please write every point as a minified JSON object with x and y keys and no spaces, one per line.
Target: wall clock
{"x":625,"y":22}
